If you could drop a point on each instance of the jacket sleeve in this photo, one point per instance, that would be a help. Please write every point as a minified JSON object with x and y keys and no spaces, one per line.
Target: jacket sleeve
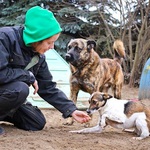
{"x":50,"y":93}
{"x":7,"y":72}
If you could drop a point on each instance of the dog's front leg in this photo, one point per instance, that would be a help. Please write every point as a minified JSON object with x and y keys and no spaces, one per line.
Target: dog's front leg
{"x":95,"y":129}
{"x":103,"y":121}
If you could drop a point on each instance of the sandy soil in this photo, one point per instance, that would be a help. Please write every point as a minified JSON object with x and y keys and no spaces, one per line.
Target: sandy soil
{"x":56,"y":136}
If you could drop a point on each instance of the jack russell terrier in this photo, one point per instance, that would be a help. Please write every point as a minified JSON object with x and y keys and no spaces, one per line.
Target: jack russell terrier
{"x":123,"y":114}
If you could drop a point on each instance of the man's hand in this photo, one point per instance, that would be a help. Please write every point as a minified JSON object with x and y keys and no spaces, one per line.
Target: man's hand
{"x":80,"y":116}
{"x":35,"y":86}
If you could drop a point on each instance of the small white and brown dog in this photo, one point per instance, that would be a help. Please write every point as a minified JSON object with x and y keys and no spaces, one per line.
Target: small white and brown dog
{"x":123,"y":114}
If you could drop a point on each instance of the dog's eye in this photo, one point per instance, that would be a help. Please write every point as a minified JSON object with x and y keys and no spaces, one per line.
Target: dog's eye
{"x":78,"y":49}
{"x":94,"y":102}
{"x":69,"y":47}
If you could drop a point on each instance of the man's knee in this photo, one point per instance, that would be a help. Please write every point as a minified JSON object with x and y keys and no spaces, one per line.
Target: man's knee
{"x":22,"y":90}
{"x":29,"y":117}
{"x":12,"y":96}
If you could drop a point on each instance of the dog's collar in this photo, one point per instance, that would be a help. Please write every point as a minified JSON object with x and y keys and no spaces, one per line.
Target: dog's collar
{"x":104,"y":103}
{"x":81,"y":67}
{"x":78,"y":70}
{"x":75,"y":72}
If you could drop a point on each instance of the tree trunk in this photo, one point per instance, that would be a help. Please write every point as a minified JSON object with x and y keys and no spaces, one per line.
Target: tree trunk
{"x":138,"y":48}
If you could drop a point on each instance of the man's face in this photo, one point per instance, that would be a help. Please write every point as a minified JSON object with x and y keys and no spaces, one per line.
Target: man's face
{"x":45,"y":45}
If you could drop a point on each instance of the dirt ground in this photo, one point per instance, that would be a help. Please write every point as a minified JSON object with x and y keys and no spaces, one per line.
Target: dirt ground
{"x":56,"y":136}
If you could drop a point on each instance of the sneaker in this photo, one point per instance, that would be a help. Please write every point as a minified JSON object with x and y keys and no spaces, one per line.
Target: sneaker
{"x":2,"y":131}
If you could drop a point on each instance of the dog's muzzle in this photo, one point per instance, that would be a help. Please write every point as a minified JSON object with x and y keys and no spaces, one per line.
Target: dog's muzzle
{"x":88,"y":111}
{"x":69,"y":57}
{"x":91,"y":111}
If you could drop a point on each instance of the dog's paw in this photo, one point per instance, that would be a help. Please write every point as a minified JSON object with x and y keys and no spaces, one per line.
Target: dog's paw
{"x":137,"y":138}
{"x":95,"y":129}
{"x":76,"y":131}
{"x":69,"y":122}
{"x":86,"y":125}
{"x":103,"y":125}
{"x":128,"y":130}
{"x":85,"y":130}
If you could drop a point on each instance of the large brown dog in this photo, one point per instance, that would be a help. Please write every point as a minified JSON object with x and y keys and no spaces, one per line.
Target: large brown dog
{"x":90,"y":73}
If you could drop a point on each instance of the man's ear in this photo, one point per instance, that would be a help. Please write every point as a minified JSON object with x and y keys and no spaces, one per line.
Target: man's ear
{"x":107,"y":96}
{"x":91,"y":45}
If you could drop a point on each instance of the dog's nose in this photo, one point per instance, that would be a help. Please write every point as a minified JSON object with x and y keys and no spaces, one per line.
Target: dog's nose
{"x":68,"y":57}
{"x":88,"y":111}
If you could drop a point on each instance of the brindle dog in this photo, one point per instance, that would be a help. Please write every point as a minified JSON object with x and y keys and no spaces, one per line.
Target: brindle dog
{"x":90,"y":73}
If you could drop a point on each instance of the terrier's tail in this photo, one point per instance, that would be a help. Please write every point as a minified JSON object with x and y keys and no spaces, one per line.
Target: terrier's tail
{"x":119,"y":51}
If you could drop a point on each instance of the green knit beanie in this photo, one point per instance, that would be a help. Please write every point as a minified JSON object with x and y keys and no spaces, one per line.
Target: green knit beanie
{"x":40,"y":24}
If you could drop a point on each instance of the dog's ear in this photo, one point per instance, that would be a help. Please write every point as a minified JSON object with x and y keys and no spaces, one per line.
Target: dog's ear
{"x":91,"y":45}
{"x":107,"y":96}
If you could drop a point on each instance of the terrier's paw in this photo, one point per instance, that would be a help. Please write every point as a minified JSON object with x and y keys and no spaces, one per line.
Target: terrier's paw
{"x":76,"y":131}
{"x":69,"y":122}
{"x":137,"y":138}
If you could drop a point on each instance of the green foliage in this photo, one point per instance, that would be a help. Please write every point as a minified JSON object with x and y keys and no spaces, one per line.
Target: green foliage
{"x":74,"y":16}
{"x":100,"y":24}
{"x":13,"y":12}
{"x":72,"y":28}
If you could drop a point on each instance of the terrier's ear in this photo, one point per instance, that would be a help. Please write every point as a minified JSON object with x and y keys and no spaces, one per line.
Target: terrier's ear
{"x":91,"y":45}
{"x":107,"y":96}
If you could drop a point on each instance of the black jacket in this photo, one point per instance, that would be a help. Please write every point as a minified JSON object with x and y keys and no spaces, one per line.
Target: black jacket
{"x":14,"y":57}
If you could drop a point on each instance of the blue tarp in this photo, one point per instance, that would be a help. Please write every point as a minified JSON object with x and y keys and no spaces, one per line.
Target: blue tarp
{"x":144,"y":88}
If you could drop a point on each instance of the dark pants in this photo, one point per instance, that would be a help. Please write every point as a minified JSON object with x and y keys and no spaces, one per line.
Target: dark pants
{"x":13,"y":109}
{"x":12,"y":95}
